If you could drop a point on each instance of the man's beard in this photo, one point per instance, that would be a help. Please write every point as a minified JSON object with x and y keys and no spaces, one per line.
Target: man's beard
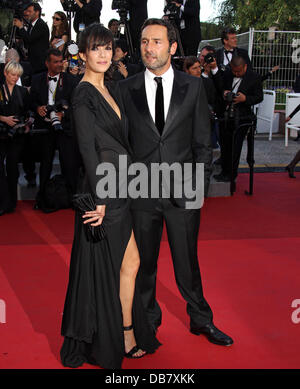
{"x":160,"y":62}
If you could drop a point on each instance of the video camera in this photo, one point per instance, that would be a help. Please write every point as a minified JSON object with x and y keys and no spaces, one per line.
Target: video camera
{"x":51,"y":115}
{"x":171,"y":9}
{"x":122,"y":7}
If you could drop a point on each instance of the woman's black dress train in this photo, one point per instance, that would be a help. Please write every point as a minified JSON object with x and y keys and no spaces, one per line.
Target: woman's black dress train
{"x":92,"y":323}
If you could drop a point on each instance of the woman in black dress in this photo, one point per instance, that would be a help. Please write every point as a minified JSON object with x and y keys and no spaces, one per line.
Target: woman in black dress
{"x":103,"y":318}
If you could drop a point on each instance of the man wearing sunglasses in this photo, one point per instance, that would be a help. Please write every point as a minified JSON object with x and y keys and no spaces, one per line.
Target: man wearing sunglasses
{"x":35,"y":37}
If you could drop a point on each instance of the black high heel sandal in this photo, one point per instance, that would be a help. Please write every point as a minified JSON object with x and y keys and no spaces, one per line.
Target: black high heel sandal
{"x":291,"y":171}
{"x":134,"y":349}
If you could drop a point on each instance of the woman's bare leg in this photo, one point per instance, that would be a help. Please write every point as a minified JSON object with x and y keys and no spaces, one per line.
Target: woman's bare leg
{"x":128,"y":272}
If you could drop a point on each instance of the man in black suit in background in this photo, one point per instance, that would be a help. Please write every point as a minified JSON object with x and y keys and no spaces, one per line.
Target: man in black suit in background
{"x":138,"y":13}
{"x":48,"y":88}
{"x":35,"y":38}
{"x":169,"y":122}
{"x":225,"y":54}
{"x":189,"y":25}
{"x":247,"y":86}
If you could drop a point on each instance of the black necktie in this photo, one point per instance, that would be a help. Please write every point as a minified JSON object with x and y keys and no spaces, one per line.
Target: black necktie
{"x":228,"y":52}
{"x":159,"y":106}
{"x":52,"y":78}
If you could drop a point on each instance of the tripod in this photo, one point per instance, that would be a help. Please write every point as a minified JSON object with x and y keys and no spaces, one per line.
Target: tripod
{"x":124,"y":23}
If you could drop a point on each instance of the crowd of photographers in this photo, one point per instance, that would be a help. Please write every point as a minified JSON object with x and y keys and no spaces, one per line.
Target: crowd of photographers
{"x":41,"y":72}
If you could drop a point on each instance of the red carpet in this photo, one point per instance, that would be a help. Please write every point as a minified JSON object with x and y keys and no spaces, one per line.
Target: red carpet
{"x":249,"y":257}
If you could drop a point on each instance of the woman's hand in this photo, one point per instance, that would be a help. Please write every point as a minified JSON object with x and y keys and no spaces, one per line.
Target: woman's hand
{"x":10,"y":120}
{"x":122,"y":69}
{"x":95,"y":216}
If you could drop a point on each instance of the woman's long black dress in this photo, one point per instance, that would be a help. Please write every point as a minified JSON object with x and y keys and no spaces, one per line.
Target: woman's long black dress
{"x":92,"y":319}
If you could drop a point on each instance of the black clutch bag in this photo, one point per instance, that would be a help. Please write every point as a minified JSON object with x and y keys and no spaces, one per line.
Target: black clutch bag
{"x":84,"y":203}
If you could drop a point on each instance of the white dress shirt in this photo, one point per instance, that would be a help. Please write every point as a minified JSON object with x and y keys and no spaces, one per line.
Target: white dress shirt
{"x":52,"y":86}
{"x":151,"y":86}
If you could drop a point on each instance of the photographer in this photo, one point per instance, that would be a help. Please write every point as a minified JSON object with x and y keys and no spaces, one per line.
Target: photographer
{"x":36,"y":37}
{"x":123,"y":68}
{"x":14,"y":111}
{"x":50,"y":98}
{"x":189,"y":25}
{"x":242,"y":90}
{"x":225,"y":54}
{"x":86,"y":12}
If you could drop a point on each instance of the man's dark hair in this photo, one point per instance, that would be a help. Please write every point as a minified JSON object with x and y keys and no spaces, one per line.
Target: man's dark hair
{"x":209,"y":48}
{"x":237,"y":61}
{"x":225,"y":32}
{"x":54,"y":52}
{"x":122,"y":44}
{"x":36,"y":7}
{"x":112,"y":21}
{"x":165,"y":23}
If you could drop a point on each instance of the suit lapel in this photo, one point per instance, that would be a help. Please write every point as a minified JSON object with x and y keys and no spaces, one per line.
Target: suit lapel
{"x":139,"y":97}
{"x":179,"y":92}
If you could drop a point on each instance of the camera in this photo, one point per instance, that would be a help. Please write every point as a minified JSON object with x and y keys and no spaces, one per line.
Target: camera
{"x":209,"y":58}
{"x":229,"y":98}
{"x":172,"y":9}
{"x":51,"y":115}
{"x":120,"y":4}
{"x":19,"y":128}
{"x":70,"y":5}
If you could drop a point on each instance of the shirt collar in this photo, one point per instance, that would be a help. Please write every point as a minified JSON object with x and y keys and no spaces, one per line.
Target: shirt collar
{"x":167,"y":76}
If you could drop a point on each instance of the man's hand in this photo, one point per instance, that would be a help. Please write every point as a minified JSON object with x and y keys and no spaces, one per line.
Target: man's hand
{"x":240,"y":98}
{"x":42,"y":110}
{"x":60,"y":115}
{"x":177,"y":4}
{"x":287,"y":119}
{"x":18,"y":23}
{"x":95,"y":216}
{"x":275,"y":68}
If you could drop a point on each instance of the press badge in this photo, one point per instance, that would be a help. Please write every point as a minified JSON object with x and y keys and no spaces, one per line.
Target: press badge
{"x":81,"y":26}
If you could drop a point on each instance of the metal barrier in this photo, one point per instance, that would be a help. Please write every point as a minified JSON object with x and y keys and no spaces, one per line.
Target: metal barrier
{"x":267,"y":49}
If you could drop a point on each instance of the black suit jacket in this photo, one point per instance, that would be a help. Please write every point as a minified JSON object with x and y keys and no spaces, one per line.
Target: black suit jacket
{"x":39,"y":97}
{"x":138,"y":14}
{"x":251,"y":87}
{"x":186,"y":136}
{"x":88,"y":14}
{"x":237,"y":51}
{"x":37,"y":42}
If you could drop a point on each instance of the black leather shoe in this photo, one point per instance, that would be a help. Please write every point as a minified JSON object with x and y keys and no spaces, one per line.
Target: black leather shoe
{"x":291,"y":171}
{"x":213,"y":334}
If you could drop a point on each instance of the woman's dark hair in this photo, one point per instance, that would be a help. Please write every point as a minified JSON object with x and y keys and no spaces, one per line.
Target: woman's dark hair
{"x":63,"y":28}
{"x":93,"y":36}
{"x":165,"y":23}
{"x":96,"y":35}
{"x":188,"y":62}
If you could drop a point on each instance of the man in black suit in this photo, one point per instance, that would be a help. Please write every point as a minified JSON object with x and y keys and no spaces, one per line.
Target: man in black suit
{"x":247,"y":86}
{"x":35,"y":37}
{"x":169,"y":122}
{"x":48,"y":88}
{"x":189,"y":25}
{"x":225,"y":54}
{"x":86,"y":13}
{"x":138,"y":13}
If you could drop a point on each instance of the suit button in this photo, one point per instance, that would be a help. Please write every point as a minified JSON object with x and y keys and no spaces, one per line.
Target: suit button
{"x":161,"y":143}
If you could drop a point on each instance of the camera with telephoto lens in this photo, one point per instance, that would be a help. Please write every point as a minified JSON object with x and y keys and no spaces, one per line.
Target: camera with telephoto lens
{"x":51,"y":114}
{"x":209,"y":58}
{"x":19,"y":128}
{"x":229,"y":98}
{"x":122,"y":7}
